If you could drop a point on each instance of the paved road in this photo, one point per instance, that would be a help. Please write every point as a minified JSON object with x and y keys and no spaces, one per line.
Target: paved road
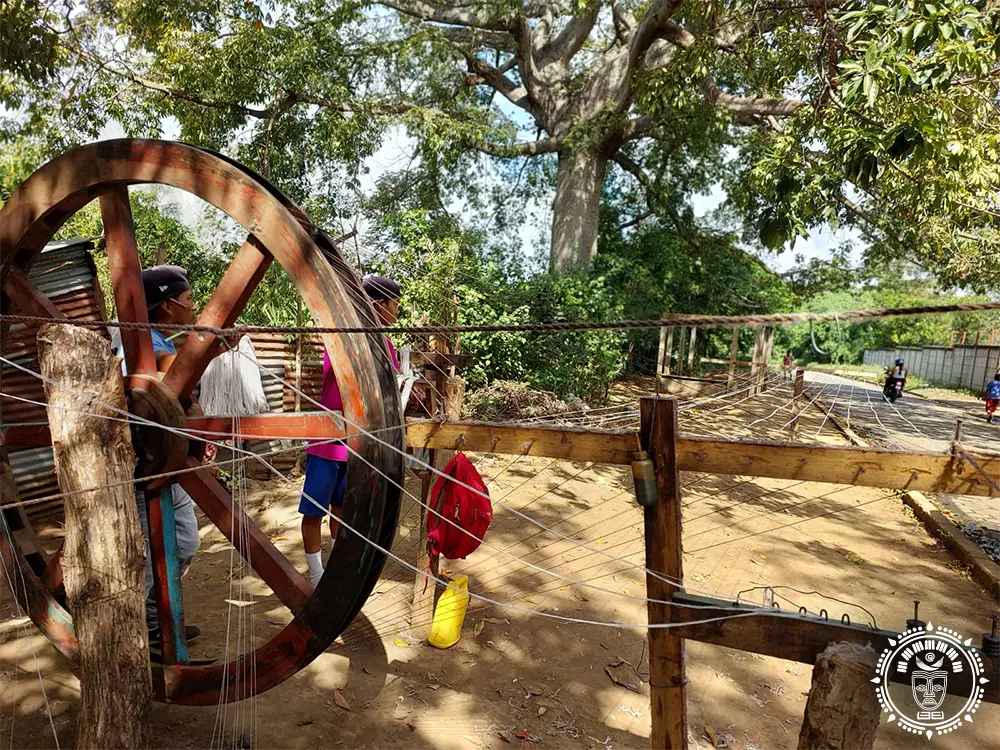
{"x":914,"y":423}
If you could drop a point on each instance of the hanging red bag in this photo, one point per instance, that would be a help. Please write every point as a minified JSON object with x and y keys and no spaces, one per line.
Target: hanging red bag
{"x":469,"y":510}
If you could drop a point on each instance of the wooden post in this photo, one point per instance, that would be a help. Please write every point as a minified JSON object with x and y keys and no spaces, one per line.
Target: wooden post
{"x":661,"y":353}
{"x":658,"y":418}
{"x":800,"y":376}
{"x":454,"y":397}
{"x":452,"y":390}
{"x":734,"y":351}
{"x":755,"y":360}
{"x":680,"y":350}
{"x":691,"y":347}
{"x":767,"y":346}
{"x":842,"y":712}
{"x":103,"y":557}
{"x":424,"y":587}
{"x":669,"y":351}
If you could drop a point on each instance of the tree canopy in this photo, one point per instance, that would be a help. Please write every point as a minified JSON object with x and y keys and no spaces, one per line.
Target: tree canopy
{"x":882,"y":115}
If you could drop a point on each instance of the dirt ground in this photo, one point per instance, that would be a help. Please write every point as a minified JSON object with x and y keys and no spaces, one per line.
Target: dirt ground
{"x":516,"y":674}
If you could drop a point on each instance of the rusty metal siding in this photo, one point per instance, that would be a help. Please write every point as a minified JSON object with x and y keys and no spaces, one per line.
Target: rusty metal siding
{"x":65,"y":273}
{"x":277,"y":355}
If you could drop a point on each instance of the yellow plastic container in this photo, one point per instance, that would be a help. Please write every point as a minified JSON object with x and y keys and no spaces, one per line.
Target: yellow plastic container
{"x":449,"y":615}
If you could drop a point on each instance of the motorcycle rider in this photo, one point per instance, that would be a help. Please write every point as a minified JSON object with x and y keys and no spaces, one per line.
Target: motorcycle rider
{"x":895,"y":374}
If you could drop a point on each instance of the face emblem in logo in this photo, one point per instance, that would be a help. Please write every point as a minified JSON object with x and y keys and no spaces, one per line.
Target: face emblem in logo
{"x":929,"y":681}
{"x":931,"y":660}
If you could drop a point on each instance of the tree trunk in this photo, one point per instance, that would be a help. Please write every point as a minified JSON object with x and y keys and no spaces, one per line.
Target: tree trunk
{"x":575,"y":210}
{"x":103,"y":558}
{"x":842,"y":712}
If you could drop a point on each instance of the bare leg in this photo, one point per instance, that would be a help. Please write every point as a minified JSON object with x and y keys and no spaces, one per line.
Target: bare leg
{"x":312,"y":533}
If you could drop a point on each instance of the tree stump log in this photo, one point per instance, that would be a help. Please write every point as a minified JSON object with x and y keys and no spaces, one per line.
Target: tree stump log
{"x":842,"y":712}
{"x":104,"y":555}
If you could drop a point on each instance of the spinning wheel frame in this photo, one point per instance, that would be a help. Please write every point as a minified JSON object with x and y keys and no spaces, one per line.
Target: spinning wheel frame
{"x":334,"y":297}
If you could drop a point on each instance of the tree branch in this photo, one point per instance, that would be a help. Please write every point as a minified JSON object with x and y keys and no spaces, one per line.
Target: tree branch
{"x":461,"y":15}
{"x":529,"y":148}
{"x":526,"y":59}
{"x":691,"y":235}
{"x":637,"y":127}
{"x":751,"y":105}
{"x":496,"y":80}
{"x":626,"y":162}
{"x":571,"y":39}
{"x":623,"y":20}
{"x":657,"y":15}
{"x":472,"y":38}
{"x":284,"y":102}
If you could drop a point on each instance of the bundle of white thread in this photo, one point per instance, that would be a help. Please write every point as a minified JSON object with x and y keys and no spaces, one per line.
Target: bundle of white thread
{"x":231,"y":384}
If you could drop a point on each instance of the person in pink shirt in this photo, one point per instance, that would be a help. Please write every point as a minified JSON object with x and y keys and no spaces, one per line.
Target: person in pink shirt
{"x":326,"y":463}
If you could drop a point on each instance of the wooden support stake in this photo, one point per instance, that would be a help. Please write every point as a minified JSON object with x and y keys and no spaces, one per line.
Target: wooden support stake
{"x":664,"y":555}
{"x":452,"y":390}
{"x":734,"y":351}
{"x":661,"y":352}
{"x":691,"y":349}
{"x":800,"y":376}
{"x":104,"y":553}
{"x":755,"y":360}
{"x":424,"y":587}
{"x":669,"y":359}
{"x":842,"y":712}
{"x":767,"y":346}
{"x":680,"y":350}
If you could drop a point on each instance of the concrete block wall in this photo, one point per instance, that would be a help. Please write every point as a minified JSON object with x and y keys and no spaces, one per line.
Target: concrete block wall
{"x":959,"y":366}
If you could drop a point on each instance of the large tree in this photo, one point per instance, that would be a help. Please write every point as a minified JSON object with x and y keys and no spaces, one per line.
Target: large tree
{"x":808,"y":112}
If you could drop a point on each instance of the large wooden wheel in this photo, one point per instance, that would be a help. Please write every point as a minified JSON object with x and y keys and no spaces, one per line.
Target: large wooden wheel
{"x":333,"y":295}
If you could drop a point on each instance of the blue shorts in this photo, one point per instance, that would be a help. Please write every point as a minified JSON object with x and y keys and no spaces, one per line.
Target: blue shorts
{"x":325,"y":483}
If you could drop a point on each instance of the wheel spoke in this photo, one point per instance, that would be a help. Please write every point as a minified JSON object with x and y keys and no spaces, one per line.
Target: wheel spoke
{"x":274,"y":568}
{"x":228,"y":301}
{"x":317,"y":425}
{"x":26,"y":436}
{"x":126,"y":277}
{"x":27,"y":298}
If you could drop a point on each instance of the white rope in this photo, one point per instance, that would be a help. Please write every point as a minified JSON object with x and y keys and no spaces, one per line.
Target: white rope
{"x":34,"y":655}
{"x":618,"y":624}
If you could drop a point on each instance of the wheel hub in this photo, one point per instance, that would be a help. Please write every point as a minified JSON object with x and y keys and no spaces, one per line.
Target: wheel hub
{"x":157,"y":450}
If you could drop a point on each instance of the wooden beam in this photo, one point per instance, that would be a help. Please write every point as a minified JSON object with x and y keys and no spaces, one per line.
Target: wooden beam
{"x":865,"y":467}
{"x":796,"y":637}
{"x":572,"y":445}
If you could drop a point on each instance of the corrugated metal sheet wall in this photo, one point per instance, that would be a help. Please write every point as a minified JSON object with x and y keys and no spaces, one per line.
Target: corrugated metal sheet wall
{"x":960,"y":366}
{"x":66,"y":274}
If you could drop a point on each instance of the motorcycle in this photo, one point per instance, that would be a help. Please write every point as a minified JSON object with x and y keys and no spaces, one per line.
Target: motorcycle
{"x":893,"y":389}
